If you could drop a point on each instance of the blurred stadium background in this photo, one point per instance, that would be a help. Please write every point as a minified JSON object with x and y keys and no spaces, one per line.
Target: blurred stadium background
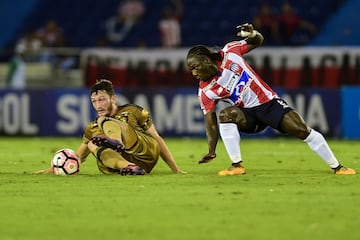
{"x":318,"y":73}
{"x":205,"y":21}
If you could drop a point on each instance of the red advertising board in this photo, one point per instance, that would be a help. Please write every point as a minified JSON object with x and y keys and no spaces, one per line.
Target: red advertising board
{"x":280,"y":67}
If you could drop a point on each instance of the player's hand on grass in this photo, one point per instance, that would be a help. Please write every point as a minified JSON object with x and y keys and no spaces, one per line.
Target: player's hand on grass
{"x":207,"y":158}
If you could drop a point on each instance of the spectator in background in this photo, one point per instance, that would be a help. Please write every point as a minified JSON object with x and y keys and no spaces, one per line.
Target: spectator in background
{"x":51,"y":34}
{"x":266,"y":22}
{"x":27,"y":49}
{"x":15,"y":78}
{"x":290,"y":24}
{"x":128,"y":15}
{"x":169,"y":25}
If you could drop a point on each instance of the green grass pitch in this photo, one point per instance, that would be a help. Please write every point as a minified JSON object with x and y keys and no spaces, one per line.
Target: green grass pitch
{"x":288,"y":193}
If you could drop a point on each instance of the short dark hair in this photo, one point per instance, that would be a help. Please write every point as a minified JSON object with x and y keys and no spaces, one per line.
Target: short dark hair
{"x":103,"y":85}
{"x":199,"y":50}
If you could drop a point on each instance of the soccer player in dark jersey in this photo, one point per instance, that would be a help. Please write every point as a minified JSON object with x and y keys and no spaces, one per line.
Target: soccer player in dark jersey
{"x":224,"y":75}
{"x":123,"y":138}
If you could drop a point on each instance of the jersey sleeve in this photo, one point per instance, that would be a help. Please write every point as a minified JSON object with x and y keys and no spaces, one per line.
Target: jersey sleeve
{"x":207,"y":104}
{"x":91,"y":130}
{"x":145,"y":120}
{"x":134,"y":115}
{"x":237,"y":47}
{"x":87,"y":134}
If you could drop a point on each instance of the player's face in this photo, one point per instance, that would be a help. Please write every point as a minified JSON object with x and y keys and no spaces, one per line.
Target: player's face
{"x":201,"y":67}
{"x":102,"y":103}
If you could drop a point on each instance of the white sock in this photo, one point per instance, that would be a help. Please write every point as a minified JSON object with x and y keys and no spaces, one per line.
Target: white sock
{"x":231,"y":138}
{"x":318,"y":144}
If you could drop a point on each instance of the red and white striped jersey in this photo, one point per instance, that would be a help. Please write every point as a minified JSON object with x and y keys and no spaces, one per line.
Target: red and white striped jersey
{"x":236,"y":82}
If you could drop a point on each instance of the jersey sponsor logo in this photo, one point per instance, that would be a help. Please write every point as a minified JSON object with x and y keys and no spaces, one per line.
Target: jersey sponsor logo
{"x":233,"y":80}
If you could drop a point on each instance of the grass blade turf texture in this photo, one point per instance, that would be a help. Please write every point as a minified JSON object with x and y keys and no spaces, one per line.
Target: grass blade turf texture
{"x":287,"y":193}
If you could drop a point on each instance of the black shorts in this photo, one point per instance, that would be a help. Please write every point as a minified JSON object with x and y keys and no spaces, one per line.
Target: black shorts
{"x":268,"y":114}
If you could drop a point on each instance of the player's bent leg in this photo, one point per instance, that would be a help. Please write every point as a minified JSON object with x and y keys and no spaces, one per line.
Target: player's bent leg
{"x":106,"y":142}
{"x":128,"y":170}
{"x":232,"y":120}
{"x":146,"y":164}
{"x":295,"y":125}
{"x":116,"y":131}
{"x":110,"y":162}
{"x":245,"y":121}
{"x":132,"y":169}
{"x":110,"y":158}
{"x":144,"y":153}
{"x":233,"y":114}
{"x":111,"y":127}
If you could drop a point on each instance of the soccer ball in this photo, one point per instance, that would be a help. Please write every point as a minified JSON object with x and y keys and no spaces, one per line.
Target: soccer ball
{"x":65,"y":162}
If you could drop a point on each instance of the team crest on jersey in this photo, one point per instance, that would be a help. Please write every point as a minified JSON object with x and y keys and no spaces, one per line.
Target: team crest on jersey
{"x":219,"y":91}
{"x":234,"y":67}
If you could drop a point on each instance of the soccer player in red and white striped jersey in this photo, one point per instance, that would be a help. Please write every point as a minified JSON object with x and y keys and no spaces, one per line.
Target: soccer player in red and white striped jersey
{"x":224,"y":75}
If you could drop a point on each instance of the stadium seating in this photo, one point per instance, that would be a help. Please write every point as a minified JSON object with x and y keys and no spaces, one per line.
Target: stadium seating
{"x":12,"y":17}
{"x":342,"y":28}
{"x":204,"y":21}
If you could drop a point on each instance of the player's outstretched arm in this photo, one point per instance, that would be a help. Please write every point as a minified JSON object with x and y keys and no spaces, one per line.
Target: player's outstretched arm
{"x":83,"y":151}
{"x":212,"y":134}
{"x":254,"y":39}
{"x":165,"y":153}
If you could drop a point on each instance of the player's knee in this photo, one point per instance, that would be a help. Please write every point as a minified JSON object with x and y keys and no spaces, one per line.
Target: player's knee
{"x":232,"y":115}
{"x":227,"y":115}
{"x":294,"y":124}
{"x":100,"y":120}
{"x":303,"y":132}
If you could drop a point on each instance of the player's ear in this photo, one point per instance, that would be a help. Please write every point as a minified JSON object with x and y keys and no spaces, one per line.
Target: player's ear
{"x":206,"y":59}
{"x":113,"y":98}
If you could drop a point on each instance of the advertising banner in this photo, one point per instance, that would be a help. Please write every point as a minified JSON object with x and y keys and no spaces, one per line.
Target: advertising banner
{"x":175,"y":111}
{"x":350,"y":107}
{"x":290,"y":68}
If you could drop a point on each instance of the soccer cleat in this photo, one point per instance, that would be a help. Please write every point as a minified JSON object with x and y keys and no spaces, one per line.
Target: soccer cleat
{"x":102,"y":141}
{"x":233,"y":170}
{"x":132,"y":170}
{"x":341,"y":170}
